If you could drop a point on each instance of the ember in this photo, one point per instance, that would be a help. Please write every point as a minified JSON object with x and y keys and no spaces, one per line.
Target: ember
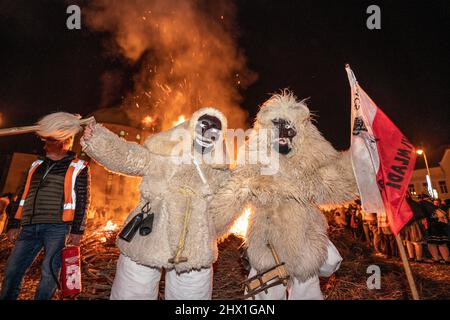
{"x":184,"y":57}
{"x":99,"y":261}
{"x":149,"y":121}
{"x":180,"y":120}
{"x":110,"y":226}
{"x":108,"y":232}
{"x":240,"y":226}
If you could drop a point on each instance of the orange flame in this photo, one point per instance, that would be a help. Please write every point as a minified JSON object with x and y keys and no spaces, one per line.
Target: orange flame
{"x":180,"y":120}
{"x":240,"y":226}
{"x":148,"y":121}
{"x":110,"y":226}
{"x":195,"y":60}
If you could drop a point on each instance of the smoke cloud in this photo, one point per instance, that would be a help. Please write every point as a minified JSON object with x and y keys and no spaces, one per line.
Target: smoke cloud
{"x":185,"y":52}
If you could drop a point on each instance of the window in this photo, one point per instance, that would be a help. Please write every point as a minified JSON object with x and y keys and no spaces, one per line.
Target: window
{"x":443,"y":187}
{"x":411,"y":189}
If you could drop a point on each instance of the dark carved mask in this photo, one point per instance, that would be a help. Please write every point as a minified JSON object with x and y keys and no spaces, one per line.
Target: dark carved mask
{"x":284,"y":133}
{"x":207,"y":132}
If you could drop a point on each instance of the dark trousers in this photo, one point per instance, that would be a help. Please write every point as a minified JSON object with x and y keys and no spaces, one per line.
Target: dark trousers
{"x":366,"y":232}
{"x":31,"y":240}
{"x":390,"y":245}
{"x":377,"y":237}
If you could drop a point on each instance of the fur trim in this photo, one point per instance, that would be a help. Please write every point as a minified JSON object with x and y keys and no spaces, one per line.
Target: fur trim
{"x":209,"y":111}
{"x":283,"y":105}
{"x":298,"y":233}
{"x":116,"y":154}
{"x":163,"y":143}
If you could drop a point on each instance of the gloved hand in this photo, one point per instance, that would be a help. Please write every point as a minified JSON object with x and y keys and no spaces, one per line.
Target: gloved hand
{"x":88,"y":131}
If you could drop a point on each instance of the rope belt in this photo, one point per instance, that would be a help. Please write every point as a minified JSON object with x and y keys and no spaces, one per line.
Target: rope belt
{"x":188,"y":192}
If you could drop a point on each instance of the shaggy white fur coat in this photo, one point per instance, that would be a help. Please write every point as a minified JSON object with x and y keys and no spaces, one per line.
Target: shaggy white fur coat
{"x":286,"y":204}
{"x":162,"y":184}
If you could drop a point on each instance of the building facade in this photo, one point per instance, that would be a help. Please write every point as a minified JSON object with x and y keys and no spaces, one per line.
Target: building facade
{"x":440,"y":178}
{"x":17,"y":169}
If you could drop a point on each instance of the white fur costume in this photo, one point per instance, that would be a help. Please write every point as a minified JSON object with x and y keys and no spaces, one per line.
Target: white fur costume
{"x":171,"y":189}
{"x":286,"y":204}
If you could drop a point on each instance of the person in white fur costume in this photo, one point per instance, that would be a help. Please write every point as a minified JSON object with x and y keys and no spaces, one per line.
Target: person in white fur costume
{"x":285,"y":204}
{"x":183,"y":237}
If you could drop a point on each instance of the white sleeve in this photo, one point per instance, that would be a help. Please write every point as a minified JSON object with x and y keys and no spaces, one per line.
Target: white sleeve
{"x":332,"y":263}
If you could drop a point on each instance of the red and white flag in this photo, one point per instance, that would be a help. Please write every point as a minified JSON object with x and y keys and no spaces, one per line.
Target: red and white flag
{"x":383,"y":159}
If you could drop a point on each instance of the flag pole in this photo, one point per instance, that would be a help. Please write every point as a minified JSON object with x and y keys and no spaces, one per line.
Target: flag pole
{"x":401,"y":248}
{"x":407,"y":267}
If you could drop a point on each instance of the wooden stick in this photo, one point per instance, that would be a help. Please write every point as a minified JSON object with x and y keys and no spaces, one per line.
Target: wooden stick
{"x":28,"y":129}
{"x":18,"y":130}
{"x":406,"y":266}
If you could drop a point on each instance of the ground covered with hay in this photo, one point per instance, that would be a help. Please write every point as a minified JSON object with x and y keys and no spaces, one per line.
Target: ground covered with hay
{"x":350,"y":282}
{"x":99,"y":256}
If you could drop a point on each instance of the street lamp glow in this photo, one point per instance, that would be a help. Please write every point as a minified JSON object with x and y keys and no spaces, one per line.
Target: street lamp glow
{"x":428,"y":176}
{"x":435,"y":194}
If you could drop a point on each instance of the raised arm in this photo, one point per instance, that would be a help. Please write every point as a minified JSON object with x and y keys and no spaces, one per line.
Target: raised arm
{"x":338,"y":181}
{"x":115,"y":153}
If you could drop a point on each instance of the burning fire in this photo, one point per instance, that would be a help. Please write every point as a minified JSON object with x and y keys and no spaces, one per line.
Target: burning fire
{"x":180,"y":120}
{"x":148,"y":121}
{"x":240,"y":226}
{"x":184,"y":55}
{"x":109,"y":228}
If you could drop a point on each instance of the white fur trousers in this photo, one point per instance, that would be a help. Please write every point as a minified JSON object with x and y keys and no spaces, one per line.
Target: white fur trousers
{"x":137,"y":282}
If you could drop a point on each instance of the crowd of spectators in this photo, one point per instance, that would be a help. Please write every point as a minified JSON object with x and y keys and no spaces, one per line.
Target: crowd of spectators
{"x":425,"y":236}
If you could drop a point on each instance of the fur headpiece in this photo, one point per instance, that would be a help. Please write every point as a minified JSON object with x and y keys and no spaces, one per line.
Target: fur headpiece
{"x":309,"y":147}
{"x":164,"y":142}
{"x":283,"y":105}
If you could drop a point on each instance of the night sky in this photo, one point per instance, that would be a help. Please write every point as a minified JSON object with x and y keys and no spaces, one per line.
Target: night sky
{"x":302,"y":45}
